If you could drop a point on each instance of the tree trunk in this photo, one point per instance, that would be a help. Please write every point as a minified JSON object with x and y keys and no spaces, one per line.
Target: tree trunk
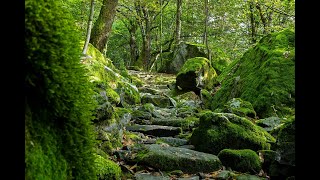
{"x":85,"y":47}
{"x":263,"y":19}
{"x":134,"y":52}
{"x":205,"y":29}
{"x":178,"y":22}
{"x":252,"y":22}
{"x":102,"y":27}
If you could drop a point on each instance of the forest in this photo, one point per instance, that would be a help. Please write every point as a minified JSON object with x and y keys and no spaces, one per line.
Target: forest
{"x":160,"y":89}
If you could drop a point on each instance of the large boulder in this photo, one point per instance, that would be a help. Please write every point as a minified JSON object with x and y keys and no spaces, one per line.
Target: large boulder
{"x":179,"y":56}
{"x":218,"y":131}
{"x":196,"y":74}
{"x":264,"y":76}
{"x":168,"y":158}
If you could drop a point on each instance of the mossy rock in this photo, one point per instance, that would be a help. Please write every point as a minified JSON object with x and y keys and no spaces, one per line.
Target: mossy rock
{"x":219,"y":64}
{"x":107,"y":169}
{"x":168,"y":158}
{"x":172,"y":141}
{"x":206,"y":98}
{"x":218,"y":131}
{"x":268,"y":157}
{"x":242,"y":160}
{"x":136,"y":81}
{"x":284,"y":165}
{"x":181,"y":53}
{"x":157,"y":100}
{"x":129,"y":94}
{"x":185,"y":123}
{"x":196,"y":74}
{"x":269,"y":123}
{"x":239,"y":107}
{"x":101,"y":71}
{"x":148,"y":107}
{"x":264,"y":76}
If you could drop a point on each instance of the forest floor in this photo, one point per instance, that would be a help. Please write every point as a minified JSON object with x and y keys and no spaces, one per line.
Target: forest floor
{"x":162,"y":131}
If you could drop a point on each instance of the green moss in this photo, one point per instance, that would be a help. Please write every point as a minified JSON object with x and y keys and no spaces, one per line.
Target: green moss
{"x":192,"y":68}
{"x":121,"y":111}
{"x":219,"y":131}
{"x":263,"y":76}
{"x":243,"y":160}
{"x":137,"y":81}
{"x":44,"y":159}
{"x":132,"y":136}
{"x":113,"y":96}
{"x":107,"y":169}
{"x":149,"y":107}
{"x":206,"y":98}
{"x":240,"y":107}
{"x":128,"y":94}
{"x":172,"y":158}
{"x":58,"y":96}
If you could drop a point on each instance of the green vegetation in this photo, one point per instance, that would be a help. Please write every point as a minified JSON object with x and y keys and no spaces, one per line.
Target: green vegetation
{"x":107,"y":169}
{"x":172,"y":158}
{"x":59,"y":104}
{"x":93,"y":110}
{"x":243,"y":160}
{"x":239,"y":107}
{"x":264,"y":76}
{"x":219,"y":131}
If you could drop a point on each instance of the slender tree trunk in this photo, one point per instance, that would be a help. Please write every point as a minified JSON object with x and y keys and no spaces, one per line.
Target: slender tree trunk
{"x":134,"y":52}
{"x":85,"y":47}
{"x":263,"y":19}
{"x":253,"y":25}
{"x":205,"y":29}
{"x":102,"y":27}
{"x":178,"y":22}
{"x":160,"y":34}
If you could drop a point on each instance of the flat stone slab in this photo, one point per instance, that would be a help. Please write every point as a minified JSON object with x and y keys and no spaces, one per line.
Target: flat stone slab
{"x":155,"y":130}
{"x":169,"y":158}
{"x":173,"y":141}
{"x":173,"y":121}
{"x":147,"y":176}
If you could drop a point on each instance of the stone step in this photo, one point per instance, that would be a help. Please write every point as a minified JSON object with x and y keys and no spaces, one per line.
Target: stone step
{"x":167,"y":158}
{"x":155,"y":130}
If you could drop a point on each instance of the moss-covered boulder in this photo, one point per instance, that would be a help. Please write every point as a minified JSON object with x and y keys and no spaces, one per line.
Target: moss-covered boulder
{"x":242,"y":160}
{"x":107,"y":169}
{"x":239,"y":107}
{"x":179,"y":56}
{"x":108,"y":78}
{"x":264,"y":76}
{"x":218,"y":131}
{"x":196,"y":73}
{"x":168,"y":158}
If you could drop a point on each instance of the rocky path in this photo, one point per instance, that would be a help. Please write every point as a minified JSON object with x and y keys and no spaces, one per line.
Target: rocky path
{"x":156,"y":142}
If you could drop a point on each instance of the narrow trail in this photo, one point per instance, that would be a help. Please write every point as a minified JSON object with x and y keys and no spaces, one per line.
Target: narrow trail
{"x":165,"y":128}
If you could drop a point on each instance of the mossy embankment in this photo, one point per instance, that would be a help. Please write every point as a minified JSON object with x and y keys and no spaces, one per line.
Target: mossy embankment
{"x":59,"y":104}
